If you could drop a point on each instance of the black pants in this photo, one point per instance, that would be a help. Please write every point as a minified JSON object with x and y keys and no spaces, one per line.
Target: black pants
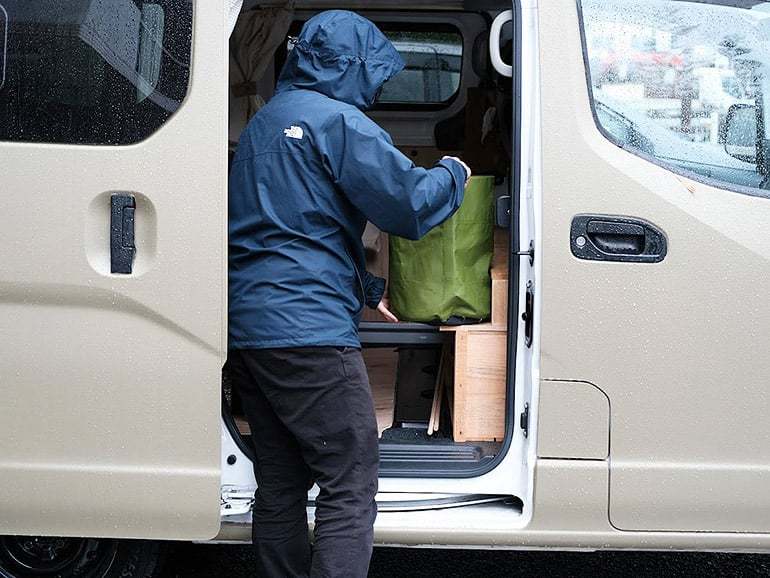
{"x":312,"y":420}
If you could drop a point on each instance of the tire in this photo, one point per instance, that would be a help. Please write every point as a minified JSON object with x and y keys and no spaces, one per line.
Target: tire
{"x":30,"y":557}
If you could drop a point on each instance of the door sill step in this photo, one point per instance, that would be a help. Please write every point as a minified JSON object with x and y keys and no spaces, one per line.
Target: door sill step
{"x":418,"y":459}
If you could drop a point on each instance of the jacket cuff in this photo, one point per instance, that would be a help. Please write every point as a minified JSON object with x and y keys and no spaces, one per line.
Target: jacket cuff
{"x":459,"y":176}
{"x":374,"y":289}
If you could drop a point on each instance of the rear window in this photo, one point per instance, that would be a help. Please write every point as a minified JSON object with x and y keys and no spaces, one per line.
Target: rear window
{"x":105,"y":72}
{"x":433,"y":64}
{"x":433,"y":67}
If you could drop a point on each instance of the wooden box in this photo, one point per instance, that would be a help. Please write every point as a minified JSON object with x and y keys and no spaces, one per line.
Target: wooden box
{"x":478,"y":398}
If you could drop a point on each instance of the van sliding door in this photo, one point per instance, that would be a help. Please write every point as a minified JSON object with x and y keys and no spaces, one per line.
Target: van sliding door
{"x":112,"y":243}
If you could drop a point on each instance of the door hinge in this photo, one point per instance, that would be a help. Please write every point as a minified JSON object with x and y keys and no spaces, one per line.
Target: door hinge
{"x":529,"y":315}
{"x":524,"y":420}
{"x":236,"y":501}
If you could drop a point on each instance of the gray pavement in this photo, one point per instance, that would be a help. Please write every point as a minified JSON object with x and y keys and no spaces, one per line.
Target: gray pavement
{"x":202,"y":561}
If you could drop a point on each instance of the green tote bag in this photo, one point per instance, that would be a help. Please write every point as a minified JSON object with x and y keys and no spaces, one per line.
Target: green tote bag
{"x":444,"y":277}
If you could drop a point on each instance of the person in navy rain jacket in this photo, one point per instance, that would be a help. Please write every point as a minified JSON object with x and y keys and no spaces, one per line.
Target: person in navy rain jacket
{"x":311,"y":168}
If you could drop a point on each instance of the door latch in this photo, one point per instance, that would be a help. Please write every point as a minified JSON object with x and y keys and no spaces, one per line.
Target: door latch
{"x":529,"y":253}
{"x":528,"y":317}
{"x":122,"y":249}
{"x":524,"y":421}
{"x":503,"y":212}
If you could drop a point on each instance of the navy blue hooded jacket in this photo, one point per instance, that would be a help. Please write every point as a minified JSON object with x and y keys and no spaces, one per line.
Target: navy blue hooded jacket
{"x":310,"y":170}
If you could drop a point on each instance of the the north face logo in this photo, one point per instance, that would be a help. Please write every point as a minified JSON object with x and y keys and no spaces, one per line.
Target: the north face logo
{"x":294,"y":132}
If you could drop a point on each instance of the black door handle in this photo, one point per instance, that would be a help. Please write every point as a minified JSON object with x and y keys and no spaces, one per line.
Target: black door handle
{"x":610,"y":238}
{"x":122,"y":247}
{"x":616,"y":238}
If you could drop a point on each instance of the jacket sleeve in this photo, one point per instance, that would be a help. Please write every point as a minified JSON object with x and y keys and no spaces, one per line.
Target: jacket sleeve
{"x":382,"y":183}
{"x":374,"y":289}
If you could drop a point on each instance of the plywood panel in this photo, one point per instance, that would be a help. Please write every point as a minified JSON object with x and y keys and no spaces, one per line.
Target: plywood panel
{"x":500,"y":255}
{"x":499,"y":274}
{"x":480,"y":383}
{"x":499,"y":301}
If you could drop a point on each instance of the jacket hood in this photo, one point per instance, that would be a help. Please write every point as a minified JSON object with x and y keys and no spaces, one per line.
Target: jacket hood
{"x":343,"y":56}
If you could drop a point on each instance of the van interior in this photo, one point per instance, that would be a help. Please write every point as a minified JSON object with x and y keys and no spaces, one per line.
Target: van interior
{"x":440,"y":392}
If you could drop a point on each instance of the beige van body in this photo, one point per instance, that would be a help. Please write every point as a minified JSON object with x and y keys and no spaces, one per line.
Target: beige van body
{"x":95,"y":364}
{"x":646,"y":383}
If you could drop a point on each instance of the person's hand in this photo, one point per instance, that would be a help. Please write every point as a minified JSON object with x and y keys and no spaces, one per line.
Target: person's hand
{"x":468,"y":173}
{"x":383,"y":310}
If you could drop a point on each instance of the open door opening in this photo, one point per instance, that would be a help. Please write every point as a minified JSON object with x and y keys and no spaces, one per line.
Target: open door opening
{"x":444,"y":394}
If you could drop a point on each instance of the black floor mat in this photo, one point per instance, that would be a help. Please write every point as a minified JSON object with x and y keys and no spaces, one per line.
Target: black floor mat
{"x":412,"y":435}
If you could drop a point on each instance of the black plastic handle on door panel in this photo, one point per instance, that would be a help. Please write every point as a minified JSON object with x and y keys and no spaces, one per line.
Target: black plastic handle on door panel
{"x":623,"y":239}
{"x":122,"y":249}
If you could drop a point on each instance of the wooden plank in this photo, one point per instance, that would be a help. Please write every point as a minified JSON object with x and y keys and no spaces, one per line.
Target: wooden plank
{"x":435,"y":407}
{"x":459,"y":390}
{"x":499,"y":274}
{"x":480,"y":383}
{"x":502,"y":247}
{"x":500,"y":302}
{"x":442,"y":384}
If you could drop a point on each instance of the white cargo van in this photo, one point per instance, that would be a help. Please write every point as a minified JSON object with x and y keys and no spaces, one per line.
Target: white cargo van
{"x":616,"y":398}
